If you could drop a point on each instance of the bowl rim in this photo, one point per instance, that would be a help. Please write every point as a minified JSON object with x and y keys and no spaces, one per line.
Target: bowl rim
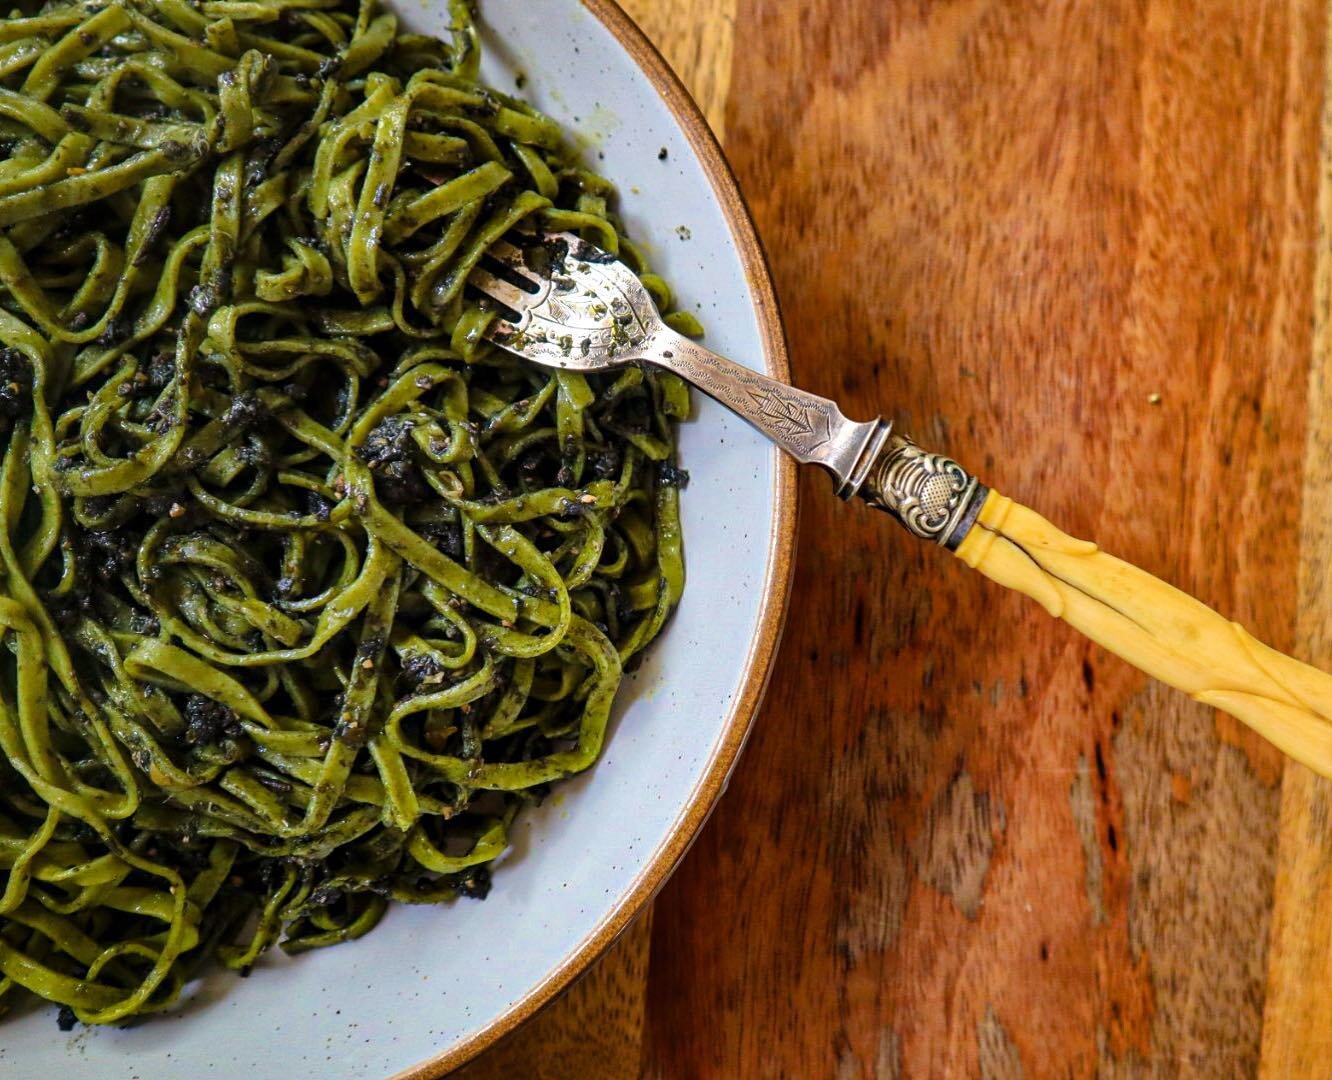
{"x":776,"y":585}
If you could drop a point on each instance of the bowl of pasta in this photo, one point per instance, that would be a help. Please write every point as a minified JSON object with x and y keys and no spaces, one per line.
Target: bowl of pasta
{"x":344,"y":651}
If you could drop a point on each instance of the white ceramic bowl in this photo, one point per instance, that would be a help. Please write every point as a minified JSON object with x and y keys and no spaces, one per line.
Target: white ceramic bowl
{"x":432,"y":986}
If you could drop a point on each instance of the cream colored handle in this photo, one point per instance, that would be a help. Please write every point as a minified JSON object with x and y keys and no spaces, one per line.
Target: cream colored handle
{"x":1160,"y":630}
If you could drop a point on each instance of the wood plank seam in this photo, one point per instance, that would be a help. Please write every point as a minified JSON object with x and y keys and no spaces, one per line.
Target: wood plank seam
{"x":1297,"y":1022}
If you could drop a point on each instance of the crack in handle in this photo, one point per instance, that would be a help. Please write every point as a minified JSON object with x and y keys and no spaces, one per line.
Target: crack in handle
{"x":1157,"y":628}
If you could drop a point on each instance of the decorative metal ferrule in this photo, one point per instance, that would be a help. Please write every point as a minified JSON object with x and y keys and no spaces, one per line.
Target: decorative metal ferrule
{"x":930,"y":494}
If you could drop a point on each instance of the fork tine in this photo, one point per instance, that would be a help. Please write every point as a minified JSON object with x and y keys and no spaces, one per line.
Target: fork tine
{"x":498,"y":289}
{"x":502,"y":331}
{"x":511,"y":257}
{"x":506,"y":252}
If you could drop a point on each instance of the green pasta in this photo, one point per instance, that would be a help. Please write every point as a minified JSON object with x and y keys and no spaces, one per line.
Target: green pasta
{"x":305,"y":589}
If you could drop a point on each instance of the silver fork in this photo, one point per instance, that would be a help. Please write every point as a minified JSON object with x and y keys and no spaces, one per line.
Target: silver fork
{"x":581,"y":309}
{"x":576,"y":307}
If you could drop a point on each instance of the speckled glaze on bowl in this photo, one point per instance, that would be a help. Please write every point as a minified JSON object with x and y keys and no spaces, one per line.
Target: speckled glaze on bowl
{"x":432,"y":987}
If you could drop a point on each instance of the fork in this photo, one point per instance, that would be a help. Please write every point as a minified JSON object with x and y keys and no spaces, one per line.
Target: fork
{"x":573,"y":306}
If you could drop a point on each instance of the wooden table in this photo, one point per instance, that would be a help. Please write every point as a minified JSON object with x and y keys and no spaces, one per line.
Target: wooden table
{"x":1082,"y":245}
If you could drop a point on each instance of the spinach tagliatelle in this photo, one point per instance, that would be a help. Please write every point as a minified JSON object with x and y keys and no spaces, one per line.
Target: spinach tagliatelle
{"x":305,"y":589}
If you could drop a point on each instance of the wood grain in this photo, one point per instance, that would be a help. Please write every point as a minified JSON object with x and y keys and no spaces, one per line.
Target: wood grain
{"x":1297,"y":1034}
{"x":697,"y":38}
{"x":963,"y":842}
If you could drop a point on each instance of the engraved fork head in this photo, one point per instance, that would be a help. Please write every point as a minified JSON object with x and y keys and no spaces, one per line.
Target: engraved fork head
{"x":566,"y":303}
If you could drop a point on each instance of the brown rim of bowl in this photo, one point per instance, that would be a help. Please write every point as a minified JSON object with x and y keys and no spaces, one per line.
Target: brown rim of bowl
{"x":781,"y":551}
